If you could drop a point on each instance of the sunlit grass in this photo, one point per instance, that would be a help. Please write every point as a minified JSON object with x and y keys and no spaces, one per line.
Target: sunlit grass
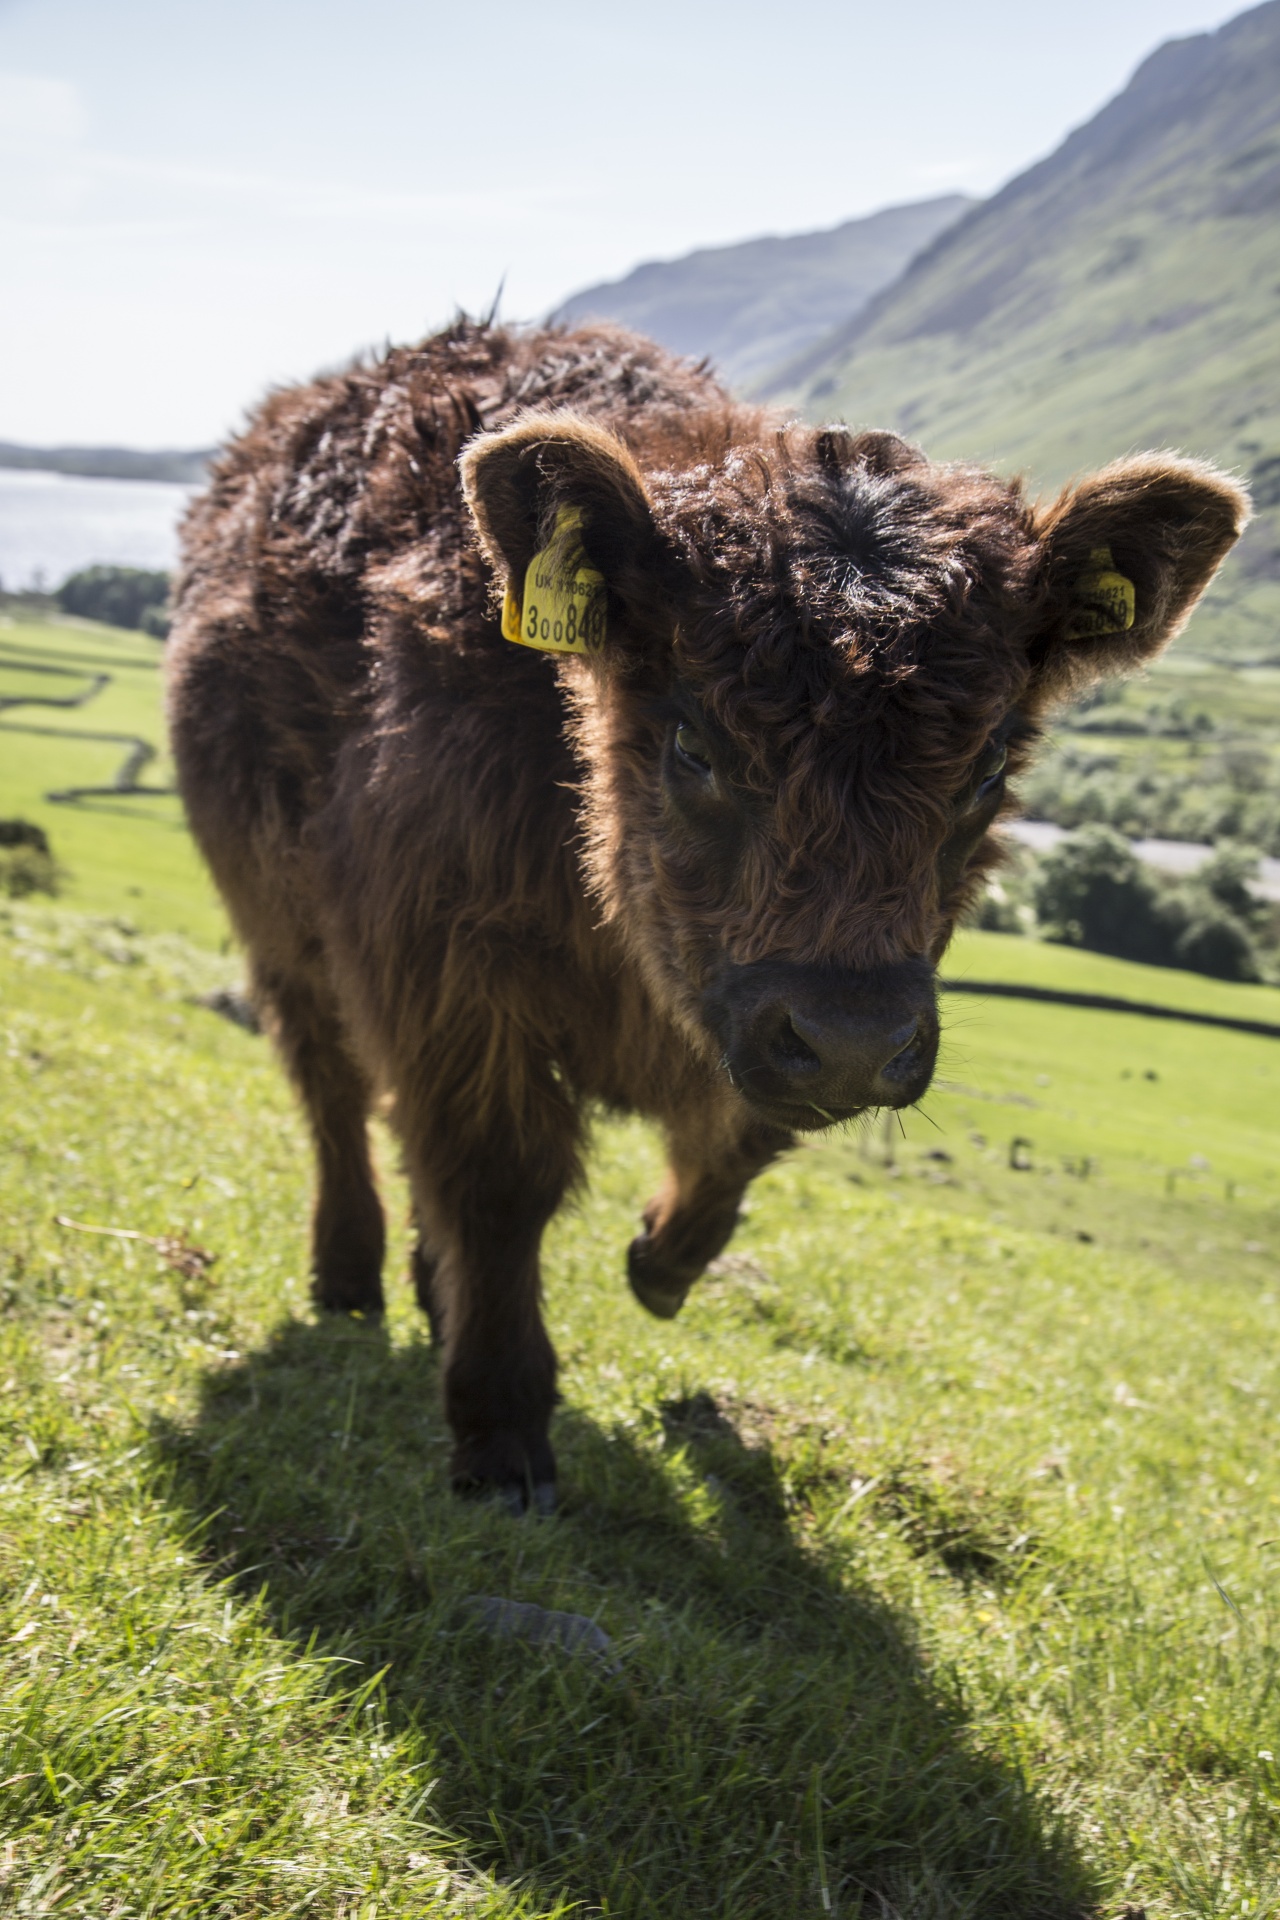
{"x":121,"y":855}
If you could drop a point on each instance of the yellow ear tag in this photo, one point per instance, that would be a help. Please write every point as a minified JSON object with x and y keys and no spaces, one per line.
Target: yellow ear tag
{"x":564,"y":599}
{"x":1105,"y":600}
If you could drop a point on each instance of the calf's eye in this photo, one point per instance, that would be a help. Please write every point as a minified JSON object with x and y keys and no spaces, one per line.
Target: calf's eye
{"x":691,"y":750}
{"x":991,"y":771}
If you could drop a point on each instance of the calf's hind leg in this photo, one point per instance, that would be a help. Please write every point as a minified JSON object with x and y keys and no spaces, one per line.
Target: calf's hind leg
{"x":422,"y":1272}
{"x":696,"y":1210}
{"x":348,"y":1233}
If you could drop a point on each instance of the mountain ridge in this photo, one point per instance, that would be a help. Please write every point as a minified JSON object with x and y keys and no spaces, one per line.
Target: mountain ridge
{"x":1119,"y":293}
{"x":748,"y":306}
{"x":184,"y":467}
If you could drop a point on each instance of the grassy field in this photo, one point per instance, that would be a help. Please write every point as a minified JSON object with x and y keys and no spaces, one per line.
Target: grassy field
{"x":1243,"y":703}
{"x":1189,"y":743}
{"x":935,"y":1541}
{"x":123,"y":854}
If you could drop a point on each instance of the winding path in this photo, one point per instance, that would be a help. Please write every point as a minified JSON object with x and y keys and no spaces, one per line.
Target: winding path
{"x":140,"y":752}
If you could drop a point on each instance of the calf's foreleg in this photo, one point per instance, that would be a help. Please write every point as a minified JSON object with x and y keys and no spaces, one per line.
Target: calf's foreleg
{"x":693,"y":1215}
{"x":484,"y":1197}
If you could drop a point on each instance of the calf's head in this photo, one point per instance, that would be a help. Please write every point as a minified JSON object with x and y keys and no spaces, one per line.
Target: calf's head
{"x":824,"y":659}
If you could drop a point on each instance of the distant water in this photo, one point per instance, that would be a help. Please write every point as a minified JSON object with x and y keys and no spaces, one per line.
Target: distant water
{"x":52,"y":524}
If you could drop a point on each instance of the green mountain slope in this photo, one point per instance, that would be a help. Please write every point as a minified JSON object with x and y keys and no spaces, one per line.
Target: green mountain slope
{"x":750,"y":306}
{"x":1123,"y":293}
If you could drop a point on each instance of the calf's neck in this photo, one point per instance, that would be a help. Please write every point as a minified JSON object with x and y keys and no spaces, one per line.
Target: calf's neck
{"x":700,"y":867}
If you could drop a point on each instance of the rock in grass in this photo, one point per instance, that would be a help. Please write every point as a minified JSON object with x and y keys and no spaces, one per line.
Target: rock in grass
{"x":542,"y":1626}
{"x":233,"y":1006}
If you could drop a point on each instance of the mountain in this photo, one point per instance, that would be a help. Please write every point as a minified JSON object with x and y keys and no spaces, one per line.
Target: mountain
{"x":750,"y":306}
{"x":1122,"y":293}
{"x":108,"y":463}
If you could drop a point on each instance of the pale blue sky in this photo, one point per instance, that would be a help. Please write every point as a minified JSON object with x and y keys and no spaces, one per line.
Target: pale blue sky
{"x":199,"y":197}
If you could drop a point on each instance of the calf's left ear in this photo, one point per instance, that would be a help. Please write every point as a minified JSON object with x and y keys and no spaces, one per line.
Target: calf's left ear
{"x":1125,"y":555}
{"x":560,"y":485}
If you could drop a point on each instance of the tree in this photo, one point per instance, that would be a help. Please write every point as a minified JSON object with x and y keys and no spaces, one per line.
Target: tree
{"x":1093,"y":891}
{"x":121,"y":596}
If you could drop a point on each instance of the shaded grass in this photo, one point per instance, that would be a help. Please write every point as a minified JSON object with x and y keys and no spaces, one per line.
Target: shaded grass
{"x":759,"y":1673}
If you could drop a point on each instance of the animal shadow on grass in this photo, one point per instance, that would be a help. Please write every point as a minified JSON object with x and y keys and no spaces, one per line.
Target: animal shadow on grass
{"x":766,"y":1739}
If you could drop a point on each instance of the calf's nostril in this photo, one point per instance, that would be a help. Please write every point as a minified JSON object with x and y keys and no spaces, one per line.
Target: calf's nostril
{"x":906,"y":1051}
{"x":902,"y":1041}
{"x":791,"y":1049}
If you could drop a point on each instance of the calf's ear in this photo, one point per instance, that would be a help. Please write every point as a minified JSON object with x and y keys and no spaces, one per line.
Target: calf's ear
{"x":519,"y":482}
{"x":1124,"y":556}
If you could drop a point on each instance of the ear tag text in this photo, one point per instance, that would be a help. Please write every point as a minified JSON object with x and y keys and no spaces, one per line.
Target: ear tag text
{"x":564,"y":599}
{"x":1105,"y":600}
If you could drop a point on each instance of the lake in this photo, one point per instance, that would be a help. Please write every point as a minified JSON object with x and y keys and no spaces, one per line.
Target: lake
{"x":52,"y":524}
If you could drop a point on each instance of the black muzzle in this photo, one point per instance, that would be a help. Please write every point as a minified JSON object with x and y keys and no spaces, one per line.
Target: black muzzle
{"x":811,"y":1045}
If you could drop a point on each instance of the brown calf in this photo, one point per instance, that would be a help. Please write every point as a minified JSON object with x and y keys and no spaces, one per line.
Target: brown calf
{"x":703,"y":870}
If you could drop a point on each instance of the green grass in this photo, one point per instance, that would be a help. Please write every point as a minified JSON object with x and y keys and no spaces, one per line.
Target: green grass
{"x":122,"y":855}
{"x":1152,"y":1140}
{"x":935,"y":1539}
{"x":935,"y":1542}
{"x":997,"y":956}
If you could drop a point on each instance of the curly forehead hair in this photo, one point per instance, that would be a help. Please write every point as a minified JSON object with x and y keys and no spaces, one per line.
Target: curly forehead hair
{"x":826,"y":598}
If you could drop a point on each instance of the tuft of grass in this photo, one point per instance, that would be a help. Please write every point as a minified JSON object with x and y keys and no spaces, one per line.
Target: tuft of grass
{"x":25,"y":870}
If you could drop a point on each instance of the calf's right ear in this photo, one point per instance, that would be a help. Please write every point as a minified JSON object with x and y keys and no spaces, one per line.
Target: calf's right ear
{"x":519,"y":482}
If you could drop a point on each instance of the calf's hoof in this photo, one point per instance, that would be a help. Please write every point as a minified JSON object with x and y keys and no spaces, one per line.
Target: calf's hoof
{"x":515,"y":1498}
{"x":346,"y":1263}
{"x":661,"y":1292}
{"x":347,"y":1291}
{"x":515,"y":1474}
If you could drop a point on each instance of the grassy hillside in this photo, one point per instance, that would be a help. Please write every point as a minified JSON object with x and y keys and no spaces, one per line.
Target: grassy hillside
{"x":1189,"y":750}
{"x":934,"y":1541}
{"x":749,"y":306}
{"x":121,"y":854}
{"x":1120,"y":294}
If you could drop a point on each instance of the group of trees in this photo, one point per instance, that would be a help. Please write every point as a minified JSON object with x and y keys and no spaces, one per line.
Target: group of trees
{"x":1092,"y":891}
{"x":121,"y":596}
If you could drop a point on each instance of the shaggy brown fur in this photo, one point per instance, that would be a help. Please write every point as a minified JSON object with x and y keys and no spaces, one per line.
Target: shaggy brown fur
{"x":703,"y":874}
